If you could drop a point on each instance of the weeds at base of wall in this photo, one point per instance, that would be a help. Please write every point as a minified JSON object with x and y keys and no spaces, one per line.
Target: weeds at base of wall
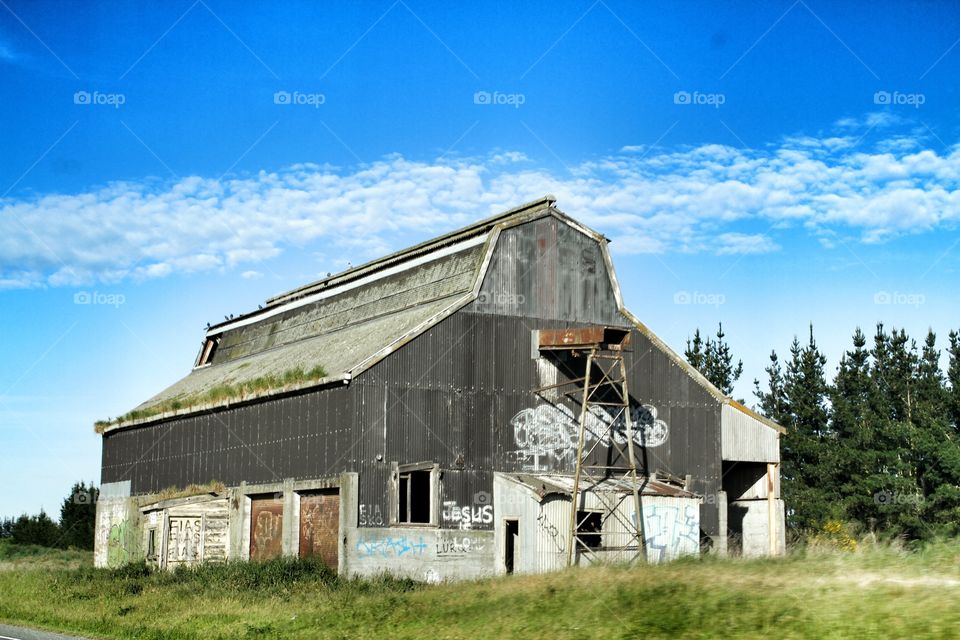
{"x":271,"y":577}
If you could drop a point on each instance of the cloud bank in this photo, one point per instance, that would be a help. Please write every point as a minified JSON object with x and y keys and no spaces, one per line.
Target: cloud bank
{"x":710,"y":198}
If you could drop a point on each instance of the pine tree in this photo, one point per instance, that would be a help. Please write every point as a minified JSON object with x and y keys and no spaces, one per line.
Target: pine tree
{"x":797,"y":400}
{"x":78,"y":515}
{"x":953,"y":376}
{"x":936,"y":449}
{"x":804,"y":446}
{"x":38,"y":529}
{"x":695,"y":352}
{"x":893,"y":479}
{"x":851,"y":458}
{"x":773,"y":402}
{"x":714,"y":359}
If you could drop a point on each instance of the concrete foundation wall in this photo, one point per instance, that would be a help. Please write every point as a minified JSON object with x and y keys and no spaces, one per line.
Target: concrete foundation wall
{"x":752,"y":528}
{"x":422,"y":553}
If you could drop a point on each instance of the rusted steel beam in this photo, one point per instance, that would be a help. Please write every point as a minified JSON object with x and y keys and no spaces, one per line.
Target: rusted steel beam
{"x":584,"y":337}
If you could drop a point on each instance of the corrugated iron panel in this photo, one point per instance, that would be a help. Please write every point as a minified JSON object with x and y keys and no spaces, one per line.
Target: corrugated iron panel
{"x":746,"y":439}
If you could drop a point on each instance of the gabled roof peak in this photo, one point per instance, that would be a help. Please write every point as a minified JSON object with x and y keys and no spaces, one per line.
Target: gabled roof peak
{"x":477,"y":228}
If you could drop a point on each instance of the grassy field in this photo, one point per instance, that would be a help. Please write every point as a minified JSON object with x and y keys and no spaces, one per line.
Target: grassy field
{"x":20,"y":557}
{"x":876,"y":592}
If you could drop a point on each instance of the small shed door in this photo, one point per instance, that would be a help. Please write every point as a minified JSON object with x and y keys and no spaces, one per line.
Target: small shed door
{"x":184,"y":540}
{"x":320,"y":526}
{"x":266,"y":527}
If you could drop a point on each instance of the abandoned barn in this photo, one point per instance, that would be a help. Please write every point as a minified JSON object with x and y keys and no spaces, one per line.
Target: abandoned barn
{"x":477,"y":404}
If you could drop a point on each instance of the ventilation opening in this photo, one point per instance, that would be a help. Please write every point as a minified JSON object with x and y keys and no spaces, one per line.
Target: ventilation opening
{"x":206,"y":351}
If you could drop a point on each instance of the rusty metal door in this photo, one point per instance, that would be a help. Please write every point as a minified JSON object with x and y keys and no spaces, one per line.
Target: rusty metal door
{"x":266,"y":527}
{"x":320,"y":526}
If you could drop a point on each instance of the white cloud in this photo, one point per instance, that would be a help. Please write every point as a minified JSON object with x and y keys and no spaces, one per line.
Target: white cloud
{"x":711,"y":198}
{"x":744,"y":243}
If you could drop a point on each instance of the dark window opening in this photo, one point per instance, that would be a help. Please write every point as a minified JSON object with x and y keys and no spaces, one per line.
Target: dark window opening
{"x":589,"y":526}
{"x":414,"y":498}
{"x":151,"y":544}
{"x":512,"y":532}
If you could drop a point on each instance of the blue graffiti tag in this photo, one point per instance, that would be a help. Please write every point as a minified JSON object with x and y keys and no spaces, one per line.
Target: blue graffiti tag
{"x":391,"y":546}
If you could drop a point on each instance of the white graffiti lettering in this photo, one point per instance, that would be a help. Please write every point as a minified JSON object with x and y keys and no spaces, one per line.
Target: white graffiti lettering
{"x":371,"y":516}
{"x":670,"y":532}
{"x":466,"y":517}
{"x":548,"y":434}
{"x":458,"y":546}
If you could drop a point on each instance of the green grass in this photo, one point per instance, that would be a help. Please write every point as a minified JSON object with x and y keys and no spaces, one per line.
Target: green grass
{"x":877,"y":592}
{"x":219,"y":393}
{"x":31,"y":556}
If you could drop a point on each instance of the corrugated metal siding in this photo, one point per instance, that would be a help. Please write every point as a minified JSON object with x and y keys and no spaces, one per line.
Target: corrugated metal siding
{"x":544,"y":269}
{"x":746,"y":439}
{"x":693,"y":418}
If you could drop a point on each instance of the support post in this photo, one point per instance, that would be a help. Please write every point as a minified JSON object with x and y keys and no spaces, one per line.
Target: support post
{"x":772,"y":508}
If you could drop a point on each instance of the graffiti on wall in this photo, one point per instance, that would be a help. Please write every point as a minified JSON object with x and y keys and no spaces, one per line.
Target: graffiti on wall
{"x":183,"y":540}
{"x":551,"y":531}
{"x":117,"y":553}
{"x":670,"y":531}
{"x":547,"y":435}
{"x":267,"y":535}
{"x":371,"y":516}
{"x":390,"y":546}
{"x":458,"y":545}
{"x":466,"y":517}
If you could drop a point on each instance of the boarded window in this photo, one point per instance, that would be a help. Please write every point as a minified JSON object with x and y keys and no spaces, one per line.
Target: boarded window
{"x":415,"y":490}
{"x":266,"y":527}
{"x":320,"y":526}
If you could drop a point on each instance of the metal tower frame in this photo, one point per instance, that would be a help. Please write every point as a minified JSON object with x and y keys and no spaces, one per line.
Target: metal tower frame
{"x":603,"y":389}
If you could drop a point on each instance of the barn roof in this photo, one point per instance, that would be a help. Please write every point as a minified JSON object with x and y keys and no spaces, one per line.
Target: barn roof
{"x":327,"y":332}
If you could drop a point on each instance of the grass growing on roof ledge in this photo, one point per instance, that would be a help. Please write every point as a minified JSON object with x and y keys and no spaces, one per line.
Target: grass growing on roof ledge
{"x":171,"y":493}
{"x":218,"y":394}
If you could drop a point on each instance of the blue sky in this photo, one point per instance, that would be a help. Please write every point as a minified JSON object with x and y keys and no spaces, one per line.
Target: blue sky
{"x":766,"y":165}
